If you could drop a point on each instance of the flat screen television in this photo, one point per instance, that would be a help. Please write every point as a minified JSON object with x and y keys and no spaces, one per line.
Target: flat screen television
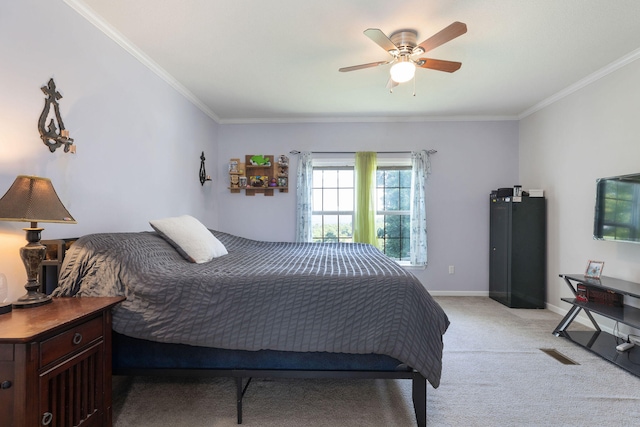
{"x":617,"y":212}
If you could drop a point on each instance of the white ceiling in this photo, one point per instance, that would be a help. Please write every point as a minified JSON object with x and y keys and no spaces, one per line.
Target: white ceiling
{"x":277,"y":61}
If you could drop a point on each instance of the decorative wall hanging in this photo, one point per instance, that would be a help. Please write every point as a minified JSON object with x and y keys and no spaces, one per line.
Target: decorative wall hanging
{"x":50,"y":135}
{"x":203,"y":173}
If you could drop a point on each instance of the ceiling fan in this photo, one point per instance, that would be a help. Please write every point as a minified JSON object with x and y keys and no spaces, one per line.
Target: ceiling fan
{"x":405,"y":52}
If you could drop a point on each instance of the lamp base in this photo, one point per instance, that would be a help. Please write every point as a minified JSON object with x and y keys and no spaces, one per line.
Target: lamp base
{"x":32,"y":299}
{"x":32,"y":255}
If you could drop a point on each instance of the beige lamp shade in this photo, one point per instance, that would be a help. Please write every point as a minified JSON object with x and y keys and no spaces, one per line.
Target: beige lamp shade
{"x":33,"y":199}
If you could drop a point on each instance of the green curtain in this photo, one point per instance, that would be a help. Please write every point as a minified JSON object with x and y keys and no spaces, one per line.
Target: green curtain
{"x":364,"y":215}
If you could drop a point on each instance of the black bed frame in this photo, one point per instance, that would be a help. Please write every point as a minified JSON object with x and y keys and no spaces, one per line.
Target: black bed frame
{"x":132,"y":356}
{"x":419,"y":383}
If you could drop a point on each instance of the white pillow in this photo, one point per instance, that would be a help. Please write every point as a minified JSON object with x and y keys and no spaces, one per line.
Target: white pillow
{"x":190,"y":238}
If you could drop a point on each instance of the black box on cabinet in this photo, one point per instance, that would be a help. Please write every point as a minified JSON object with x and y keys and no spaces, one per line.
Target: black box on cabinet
{"x":504,"y":192}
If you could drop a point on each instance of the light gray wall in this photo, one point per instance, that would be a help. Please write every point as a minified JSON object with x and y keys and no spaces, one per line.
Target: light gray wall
{"x":564,"y":148}
{"x":138,"y":140}
{"x":472,"y":159}
{"x":139,"y":143}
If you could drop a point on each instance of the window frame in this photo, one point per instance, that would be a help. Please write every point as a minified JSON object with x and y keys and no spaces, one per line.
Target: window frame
{"x":343,"y":164}
{"x":398,"y":212}
{"x":338,"y":213}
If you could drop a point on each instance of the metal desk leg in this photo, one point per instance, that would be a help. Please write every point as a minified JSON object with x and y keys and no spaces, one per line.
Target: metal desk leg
{"x":573,"y":289}
{"x":564,"y":323}
{"x":573,"y":312}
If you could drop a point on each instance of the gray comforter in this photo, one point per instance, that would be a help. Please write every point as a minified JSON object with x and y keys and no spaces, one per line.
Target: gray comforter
{"x":346,"y":298}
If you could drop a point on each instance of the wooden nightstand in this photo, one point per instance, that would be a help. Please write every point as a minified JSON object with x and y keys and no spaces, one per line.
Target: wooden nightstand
{"x":55,"y":363}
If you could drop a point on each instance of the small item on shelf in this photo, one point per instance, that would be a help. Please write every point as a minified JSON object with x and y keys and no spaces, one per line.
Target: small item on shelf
{"x":235,"y":181}
{"x":594,"y":269}
{"x":283,"y":160}
{"x":624,"y":346}
{"x":233,"y":165}
{"x":260,"y":160}
{"x":581,"y":293}
{"x":243,"y":181}
{"x":282,"y":181}
{"x":504,"y":192}
{"x":586,"y":293}
{"x":259,"y":181}
{"x":604,"y":297}
{"x":273,"y":183}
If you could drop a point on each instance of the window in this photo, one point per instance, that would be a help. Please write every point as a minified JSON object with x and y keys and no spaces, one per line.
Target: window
{"x":393,"y":211}
{"x":332,"y":215}
{"x":333,"y":201}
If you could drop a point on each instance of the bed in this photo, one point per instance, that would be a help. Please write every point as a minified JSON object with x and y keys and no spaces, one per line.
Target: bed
{"x":264,"y":309}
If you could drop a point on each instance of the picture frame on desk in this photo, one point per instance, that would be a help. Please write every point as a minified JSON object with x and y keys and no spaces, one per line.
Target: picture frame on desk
{"x":594,"y":269}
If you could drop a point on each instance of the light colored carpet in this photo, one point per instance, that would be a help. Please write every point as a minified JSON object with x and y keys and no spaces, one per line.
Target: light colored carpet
{"x":494,"y":374}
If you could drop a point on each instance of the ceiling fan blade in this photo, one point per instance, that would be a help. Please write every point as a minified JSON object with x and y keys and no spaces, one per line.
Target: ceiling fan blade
{"x":439,"y":64}
{"x":449,"y":33}
{"x":360,"y":67}
{"x":380,"y":39}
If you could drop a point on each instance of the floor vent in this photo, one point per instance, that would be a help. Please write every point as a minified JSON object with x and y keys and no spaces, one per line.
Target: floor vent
{"x":559,"y":356}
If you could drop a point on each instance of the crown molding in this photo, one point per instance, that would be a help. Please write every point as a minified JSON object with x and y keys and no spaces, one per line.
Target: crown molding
{"x":91,"y":16}
{"x":370,"y":119}
{"x":604,"y":71}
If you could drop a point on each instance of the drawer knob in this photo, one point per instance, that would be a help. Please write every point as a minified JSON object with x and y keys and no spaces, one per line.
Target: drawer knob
{"x":47,"y":417}
{"x":77,"y":338}
{"x":5,"y":385}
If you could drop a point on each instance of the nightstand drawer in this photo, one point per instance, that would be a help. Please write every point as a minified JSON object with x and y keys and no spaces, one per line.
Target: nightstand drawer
{"x":70,"y":341}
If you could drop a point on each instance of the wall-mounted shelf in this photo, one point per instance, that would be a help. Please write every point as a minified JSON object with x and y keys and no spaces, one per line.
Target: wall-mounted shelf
{"x":259,"y":179}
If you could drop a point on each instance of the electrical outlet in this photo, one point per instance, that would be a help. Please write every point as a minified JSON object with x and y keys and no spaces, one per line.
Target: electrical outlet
{"x":452,"y":269}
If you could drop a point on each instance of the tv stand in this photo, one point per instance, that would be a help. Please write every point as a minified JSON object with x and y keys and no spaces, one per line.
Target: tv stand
{"x":598,"y":341}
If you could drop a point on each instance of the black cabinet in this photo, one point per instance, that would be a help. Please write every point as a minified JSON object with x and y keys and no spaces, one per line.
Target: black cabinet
{"x":517,"y":265}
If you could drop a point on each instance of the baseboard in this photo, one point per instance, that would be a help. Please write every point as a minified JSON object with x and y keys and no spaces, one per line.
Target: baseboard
{"x":459,"y":293}
{"x":581,"y":318}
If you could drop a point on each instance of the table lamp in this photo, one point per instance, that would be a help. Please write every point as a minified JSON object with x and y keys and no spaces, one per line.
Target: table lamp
{"x":33,"y":199}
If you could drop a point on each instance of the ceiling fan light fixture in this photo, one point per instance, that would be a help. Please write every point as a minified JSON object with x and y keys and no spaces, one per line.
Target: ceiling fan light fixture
{"x":403,"y":70}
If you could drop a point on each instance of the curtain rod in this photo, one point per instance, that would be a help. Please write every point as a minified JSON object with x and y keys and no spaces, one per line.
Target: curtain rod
{"x":295,"y":152}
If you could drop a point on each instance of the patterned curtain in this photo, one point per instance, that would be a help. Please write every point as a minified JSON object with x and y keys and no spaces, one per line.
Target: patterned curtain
{"x":364,"y":218}
{"x":303,"y":200}
{"x":420,"y":168}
